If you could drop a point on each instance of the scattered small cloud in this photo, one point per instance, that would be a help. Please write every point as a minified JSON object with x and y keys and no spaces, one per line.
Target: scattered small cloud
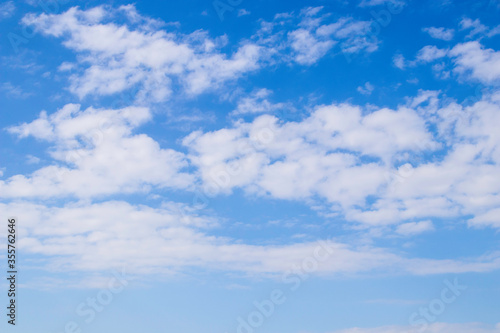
{"x":414,"y":228}
{"x":30,"y":159}
{"x":430,"y":53}
{"x":399,"y":61}
{"x":14,"y":91}
{"x":257,"y":102}
{"x":7,"y":9}
{"x":476,"y":27}
{"x":440,"y":33}
{"x":243,"y":12}
{"x":366,"y":89}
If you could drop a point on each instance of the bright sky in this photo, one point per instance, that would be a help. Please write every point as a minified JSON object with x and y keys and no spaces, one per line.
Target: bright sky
{"x":252,"y":166}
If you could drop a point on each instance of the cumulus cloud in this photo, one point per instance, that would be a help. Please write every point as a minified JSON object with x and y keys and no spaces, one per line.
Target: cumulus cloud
{"x":337,"y":153}
{"x":142,"y":53}
{"x":468,"y":60}
{"x":367,"y":166}
{"x":474,"y":61}
{"x":115,"y":57}
{"x":96,"y":153}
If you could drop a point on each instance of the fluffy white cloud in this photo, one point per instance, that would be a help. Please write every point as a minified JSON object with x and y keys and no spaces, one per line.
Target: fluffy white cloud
{"x":473,"y":60}
{"x":338,"y":153}
{"x":112,"y":58}
{"x":462,"y":182}
{"x":307,"y":47}
{"x":430,"y":53}
{"x":371,"y":167}
{"x":440,"y":33}
{"x":102,"y":154}
{"x":94,"y":237}
{"x":469,"y":61}
{"x":115,"y":57}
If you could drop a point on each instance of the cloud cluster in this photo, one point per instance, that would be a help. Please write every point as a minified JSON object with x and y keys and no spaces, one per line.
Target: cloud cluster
{"x":158,"y":62}
{"x":307,"y":37}
{"x":369,"y":167}
{"x":172,"y":238}
{"x":440,"y":33}
{"x":469,"y":60}
{"x":398,"y":169}
{"x":97,"y":153}
{"x":338,"y":153}
{"x":114,"y":58}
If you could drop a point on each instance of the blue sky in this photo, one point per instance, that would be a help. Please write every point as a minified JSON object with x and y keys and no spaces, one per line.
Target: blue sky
{"x":237,"y":166}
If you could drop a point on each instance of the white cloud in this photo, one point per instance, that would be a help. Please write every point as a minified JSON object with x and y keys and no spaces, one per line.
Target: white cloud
{"x":7,"y":9}
{"x":314,"y":38}
{"x":474,"y":61}
{"x":366,"y":89}
{"x":364,"y":164}
{"x":476,"y":27}
{"x":319,"y":156}
{"x":430,"y":53}
{"x":414,"y":228}
{"x":345,"y":155}
{"x":102,"y":154}
{"x":115,"y":234}
{"x":399,"y":61}
{"x":440,"y":33}
{"x":469,"y":60}
{"x":258,"y":102}
{"x":243,"y":12}
{"x":461,"y":183}
{"x":30,"y":159}
{"x":307,"y":47}
{"x":490,"y":218}
{"x":495,"y":31}
{"x":115,"y":58}
{"x":173,"y":238}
